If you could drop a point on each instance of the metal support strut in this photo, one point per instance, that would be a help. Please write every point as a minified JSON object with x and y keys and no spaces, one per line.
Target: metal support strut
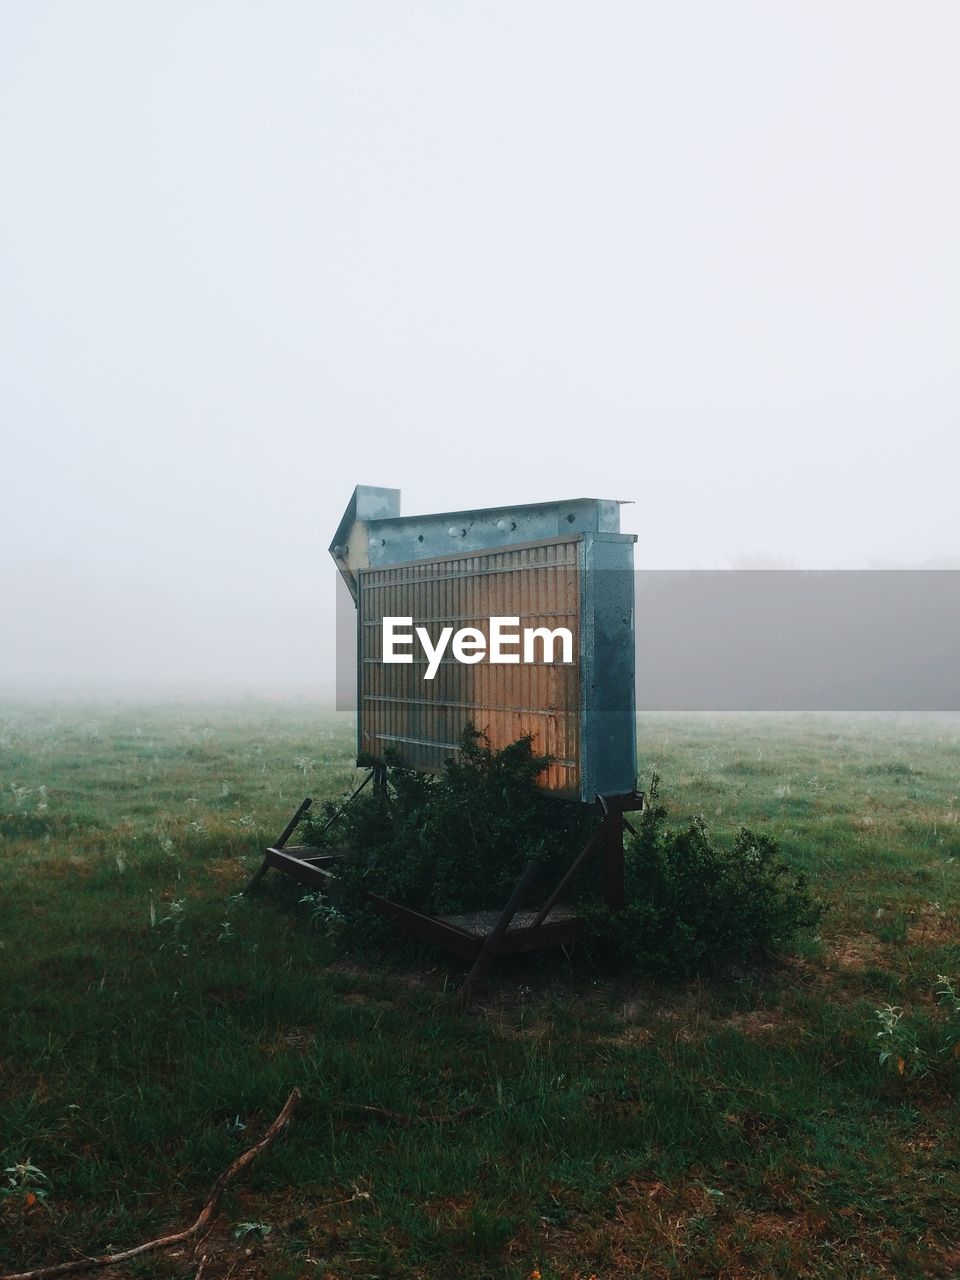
{"x":311,"y":866}
{"x":307,"y":863}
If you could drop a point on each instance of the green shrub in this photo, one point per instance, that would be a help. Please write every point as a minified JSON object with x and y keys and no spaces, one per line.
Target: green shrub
{"x":693,"y":904}
{"x":459,"y":840}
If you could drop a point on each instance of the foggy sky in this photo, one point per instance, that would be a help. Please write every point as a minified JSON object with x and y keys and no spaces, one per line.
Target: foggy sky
{"x":699,"y":256}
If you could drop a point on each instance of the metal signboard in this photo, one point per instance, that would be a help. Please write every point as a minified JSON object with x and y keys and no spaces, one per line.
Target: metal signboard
{"x":515,"y":620}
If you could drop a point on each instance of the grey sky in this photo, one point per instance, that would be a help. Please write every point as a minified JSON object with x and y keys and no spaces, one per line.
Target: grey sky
{"x":700,"y":256}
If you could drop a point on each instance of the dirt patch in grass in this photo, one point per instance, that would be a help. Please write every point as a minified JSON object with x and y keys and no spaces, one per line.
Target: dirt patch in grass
{"x":692,"y":1228}
{"x":755,"y":1024}
{"x":931,"y":924}
{"x":72,"y":867}
{"x":228,"y":874}
{"x":286,"y":1040}
{"x":634,"y":1037}
{"x":855,"y":953}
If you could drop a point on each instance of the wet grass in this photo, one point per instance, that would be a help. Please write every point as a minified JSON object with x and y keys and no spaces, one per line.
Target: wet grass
{"x":573,"y":1124}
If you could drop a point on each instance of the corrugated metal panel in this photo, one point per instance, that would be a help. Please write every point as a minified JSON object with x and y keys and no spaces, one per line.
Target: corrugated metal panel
{"x":422,"y":720}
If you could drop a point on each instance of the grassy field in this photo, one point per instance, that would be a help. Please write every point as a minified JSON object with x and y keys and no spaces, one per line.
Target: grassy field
{"x":154,"y":1021}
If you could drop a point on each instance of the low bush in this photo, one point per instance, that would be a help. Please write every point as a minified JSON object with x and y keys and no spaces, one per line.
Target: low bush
{"x":459,"y":841}
{"x":693,"y":904}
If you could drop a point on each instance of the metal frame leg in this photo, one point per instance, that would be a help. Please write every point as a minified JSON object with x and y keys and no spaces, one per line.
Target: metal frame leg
{"x":284,"y":836}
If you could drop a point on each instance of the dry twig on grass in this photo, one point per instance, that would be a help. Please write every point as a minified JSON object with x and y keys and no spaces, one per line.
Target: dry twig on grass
{"x":206,"y":1213}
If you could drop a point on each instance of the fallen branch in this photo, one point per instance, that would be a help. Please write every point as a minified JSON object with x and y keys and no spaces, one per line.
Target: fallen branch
{"x":206,"y":1213}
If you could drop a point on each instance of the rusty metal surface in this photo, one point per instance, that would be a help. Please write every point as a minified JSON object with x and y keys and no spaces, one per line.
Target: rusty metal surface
{"x":423,"y":720}
{"x":555,"y":933}
{"x":480,"y":923}
{"x":431,"y":928}
{"x":446,"y":932}
{"x":311,"y":871}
